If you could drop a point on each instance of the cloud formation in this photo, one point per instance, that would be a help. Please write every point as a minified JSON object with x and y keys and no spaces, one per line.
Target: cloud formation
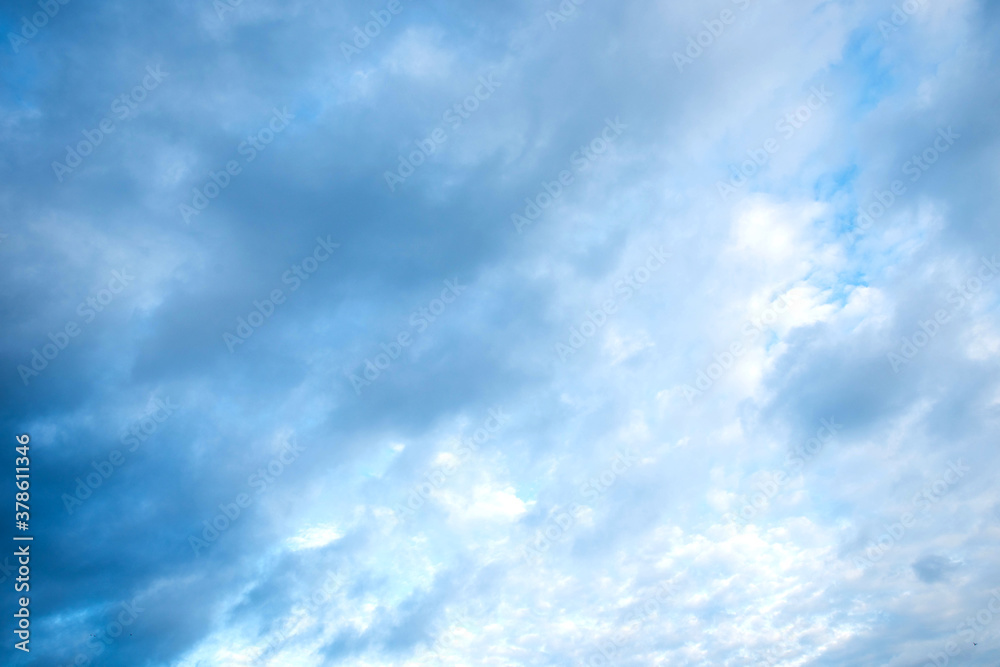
{"x":504,"y":333}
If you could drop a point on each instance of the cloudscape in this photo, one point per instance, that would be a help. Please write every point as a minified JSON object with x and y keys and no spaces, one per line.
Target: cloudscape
{"x":549,"y":332}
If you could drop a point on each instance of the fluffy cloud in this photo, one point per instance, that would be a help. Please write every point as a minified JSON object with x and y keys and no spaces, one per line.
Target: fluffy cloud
{"x":597,"y":517}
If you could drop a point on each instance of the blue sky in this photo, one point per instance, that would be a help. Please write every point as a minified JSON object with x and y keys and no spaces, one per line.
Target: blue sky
{"x":504,"y":333}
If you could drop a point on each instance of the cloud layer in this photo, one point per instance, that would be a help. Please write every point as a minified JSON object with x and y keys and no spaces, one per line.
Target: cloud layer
{"x":505,"y":333}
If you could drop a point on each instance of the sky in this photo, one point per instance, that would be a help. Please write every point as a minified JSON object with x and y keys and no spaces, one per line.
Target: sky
{"x":502,"y":333}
